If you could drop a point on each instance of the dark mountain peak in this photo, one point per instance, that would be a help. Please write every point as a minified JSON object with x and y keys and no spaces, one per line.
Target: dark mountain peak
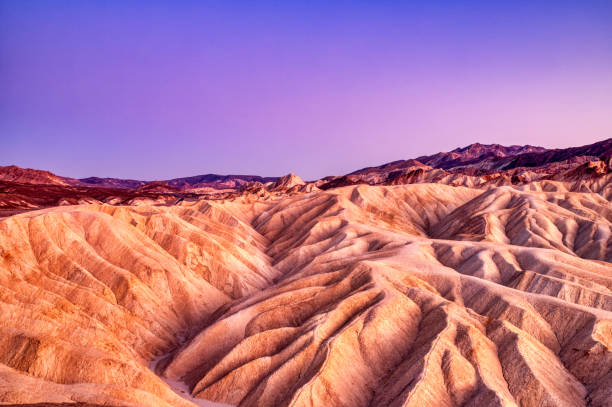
{"x":112,"y":182}
{"x":218,"y":181}
{"x":476,"y":149}
{"x":489,"y":161}
{"x":480,"y":155}
{"x":600,"y":150}
{"x":472,"y":147}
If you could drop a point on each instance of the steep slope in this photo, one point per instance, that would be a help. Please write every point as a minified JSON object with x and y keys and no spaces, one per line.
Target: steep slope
{"x":91,"y":293}
{"x":372,"y":311}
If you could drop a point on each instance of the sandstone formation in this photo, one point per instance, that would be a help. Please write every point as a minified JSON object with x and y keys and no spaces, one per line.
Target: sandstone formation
{"x":381,"y":304}
{"x":456,"y":289}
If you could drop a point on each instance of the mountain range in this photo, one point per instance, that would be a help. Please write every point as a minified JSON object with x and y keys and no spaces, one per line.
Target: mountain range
{"x":476,"y":160}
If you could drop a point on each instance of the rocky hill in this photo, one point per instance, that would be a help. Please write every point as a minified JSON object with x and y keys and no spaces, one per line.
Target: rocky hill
{"x":400,"y":285}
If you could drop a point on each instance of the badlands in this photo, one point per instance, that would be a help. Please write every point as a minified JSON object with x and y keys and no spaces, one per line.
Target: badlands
{"x":477,"y":277}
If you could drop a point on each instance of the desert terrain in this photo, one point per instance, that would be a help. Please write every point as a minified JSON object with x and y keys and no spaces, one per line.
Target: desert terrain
{"x":476,"y":277}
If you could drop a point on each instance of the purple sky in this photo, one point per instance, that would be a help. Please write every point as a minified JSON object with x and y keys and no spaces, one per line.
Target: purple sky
{"x":163,"y":89}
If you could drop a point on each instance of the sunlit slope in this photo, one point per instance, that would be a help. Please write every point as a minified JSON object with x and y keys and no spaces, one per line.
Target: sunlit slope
{"x":409,"y":295}
{"x":373,"y":310}
{"x":91,"y":293}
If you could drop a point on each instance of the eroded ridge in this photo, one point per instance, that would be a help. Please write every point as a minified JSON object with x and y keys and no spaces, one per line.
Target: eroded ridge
{"x":407,"y":295}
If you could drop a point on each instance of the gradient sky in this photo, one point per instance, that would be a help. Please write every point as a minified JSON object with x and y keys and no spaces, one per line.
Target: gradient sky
{"x":162,"y":89}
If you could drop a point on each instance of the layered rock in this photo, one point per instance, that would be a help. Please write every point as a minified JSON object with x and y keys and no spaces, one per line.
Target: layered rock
{"x":464,"y":287}
{"x":373,"y":310}
{"x":90,"y":294}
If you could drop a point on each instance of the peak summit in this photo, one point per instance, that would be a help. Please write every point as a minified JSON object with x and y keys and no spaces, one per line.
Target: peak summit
{"x":288,"y":181}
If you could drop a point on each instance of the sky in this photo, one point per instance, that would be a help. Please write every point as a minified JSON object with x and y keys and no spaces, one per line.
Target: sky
{"x":164,"y":89}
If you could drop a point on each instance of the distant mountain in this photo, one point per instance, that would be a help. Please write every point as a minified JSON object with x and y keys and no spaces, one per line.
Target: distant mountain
{"x":601,"y":150}
{"x":112,"y":182}
{"x":484,"y":164}
{"x":13,"y":173}
{"x":498,"y":157}
{"x":217,"y":181}
{"x":392,"y":166}
{"x":494,"y":157}
{"x":198,"y":181}
{"x":485,"y":156}
{"x":480,"y":156}
{"x":476,"y":165}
